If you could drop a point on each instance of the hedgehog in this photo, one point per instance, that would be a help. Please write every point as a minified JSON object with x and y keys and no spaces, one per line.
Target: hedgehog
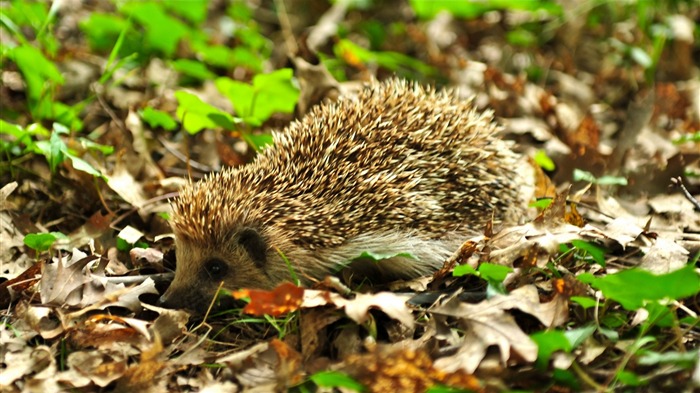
{"x":400,"y":170}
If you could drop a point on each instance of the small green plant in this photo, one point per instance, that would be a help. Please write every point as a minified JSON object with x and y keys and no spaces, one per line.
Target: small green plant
{"x":493,"y":274}
{"x":585,"y":250}
{"x":552,"y":341}
{"x":268,"y":94}
{"x":197,"y":115}
{"x":427,"y":9}
{"x":354,"y":54}
{"x":544,"y":161}
{"x":635,"y":288}
{"x":41,"y":242}
{"x":156,"y":118}
{"x":33,"y":139}
{"x":254,"y":104}
{"x":335,"y":379}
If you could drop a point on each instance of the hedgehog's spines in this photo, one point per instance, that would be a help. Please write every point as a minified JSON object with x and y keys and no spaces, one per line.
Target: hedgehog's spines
{"x":398,"y":157}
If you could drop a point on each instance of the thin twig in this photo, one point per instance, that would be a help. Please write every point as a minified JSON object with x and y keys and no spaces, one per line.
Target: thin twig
{"x":679,"y":183}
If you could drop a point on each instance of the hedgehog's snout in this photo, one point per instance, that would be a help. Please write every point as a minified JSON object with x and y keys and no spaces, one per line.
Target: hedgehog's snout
{"x":164,"y":302}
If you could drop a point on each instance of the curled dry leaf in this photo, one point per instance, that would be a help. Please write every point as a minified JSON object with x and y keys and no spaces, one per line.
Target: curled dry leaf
{"x":69,"y":281}
{"x":44,"y":320}
{"x":142,"y":376}
{"x":99,"y":368}
{"x":255,"y":366}
{"x":392,"y":304}
{"x":11,"y":288}
{"x":488,"y":324}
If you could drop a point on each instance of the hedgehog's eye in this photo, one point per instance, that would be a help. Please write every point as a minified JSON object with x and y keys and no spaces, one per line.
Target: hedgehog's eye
{"x":216,"y":268}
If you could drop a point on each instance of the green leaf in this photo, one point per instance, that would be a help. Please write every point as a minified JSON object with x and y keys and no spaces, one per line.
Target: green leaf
{"x":447,"y":389}
{"x":103,"y":30}
{"x":521,"y":37}
{"x":269,"y":93}
{"x":576,"y":337}
{"x":36,"y":70}
{"x":193,"y":10}
{"x":547,"y":344}
{"x":193,"y":68}
{"x":463,"y":270}
{"x":551,"y":341}
{"x":683,"y":359}
{"x":542,"y":203}
{"x":632,"y":288}
{"x":65,"y":114}
{"x":18,"y":136}
{"x":110,"y":68}
{"x":56,"y":148}
{"x":492,"y":272}
{"x":583,"y":301}
{"x":91,"y":145}
{"x":156,"y":118}
{"x":259,"y":141}
{"x":41,"y":242}
{"x":659,"y":315}
{"x":427,"y":9}
{"x":83,"y":166}
{"x":394,"y":61}
{"x":196,"y":114}
{"x":335,"y":379}
{"x":629,"y":378}
{"x":544,"y":161}
{"x":163,"y":32}
{"x":685,"y":138}
{"x":596,"y":252}
{"x":641,"y":57}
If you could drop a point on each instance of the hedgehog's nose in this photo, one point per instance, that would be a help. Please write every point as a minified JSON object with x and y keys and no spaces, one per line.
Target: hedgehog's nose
{"x":163,"y":301}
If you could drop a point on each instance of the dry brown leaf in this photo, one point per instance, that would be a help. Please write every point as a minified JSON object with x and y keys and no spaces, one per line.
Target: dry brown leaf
{"x":96,"y":367}
{"x":142,"y":376}
{"x":312,"y":328}
{"x":255,"y":366}
{"x":11,"y":238}
{"x":69,"y":281}
{"x":487,"y":324}
{"x":285,"y":298}
{"x":10,"y":289}
{"x":392,"y":304}
{"x":390,"y":370}
{"x":63,"y":279}
{"x":126,"y":186}
{"x":663,"y":256}
{"x":289,"y":370}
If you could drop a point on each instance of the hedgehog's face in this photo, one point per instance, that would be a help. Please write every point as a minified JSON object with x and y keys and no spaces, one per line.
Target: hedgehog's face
{"x":241,"y":262}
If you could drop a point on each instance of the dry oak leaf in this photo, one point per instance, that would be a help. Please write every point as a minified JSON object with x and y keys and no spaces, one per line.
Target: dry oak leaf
{"x":70,"y":281}
{"x":285,"y":298}
{"x":253,"y":367}
{"x":357,"y":309}
{"x":142,"y":376}
{"x":487,"y":324}
{"x":98,"y":367}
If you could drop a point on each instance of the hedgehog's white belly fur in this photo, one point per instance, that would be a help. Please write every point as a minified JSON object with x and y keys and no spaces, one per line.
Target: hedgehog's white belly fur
{"x":427,"y":255}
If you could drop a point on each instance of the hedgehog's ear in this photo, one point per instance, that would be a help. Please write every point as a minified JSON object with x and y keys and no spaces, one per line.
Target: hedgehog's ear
{"x":253,"y":242}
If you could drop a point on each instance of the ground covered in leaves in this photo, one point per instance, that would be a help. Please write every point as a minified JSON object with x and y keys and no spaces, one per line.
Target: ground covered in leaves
{"x":107,"y":107}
